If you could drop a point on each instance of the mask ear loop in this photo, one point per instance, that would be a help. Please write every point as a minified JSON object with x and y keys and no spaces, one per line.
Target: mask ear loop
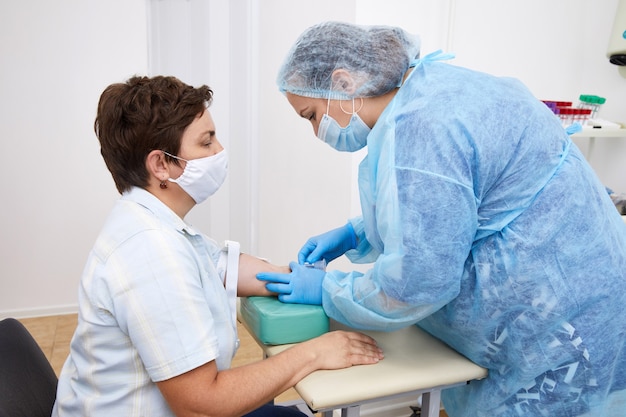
{"x":353,"y":111}
{"x":175,"y":157}
{"x":163,"y":184}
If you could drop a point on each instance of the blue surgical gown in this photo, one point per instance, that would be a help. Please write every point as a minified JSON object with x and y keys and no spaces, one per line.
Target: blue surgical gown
{"x":489,"y":230}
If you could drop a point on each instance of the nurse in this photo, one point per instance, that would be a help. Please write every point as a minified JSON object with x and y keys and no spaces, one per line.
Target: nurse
{"x":485,"y":225}
{"x":156,"y":325}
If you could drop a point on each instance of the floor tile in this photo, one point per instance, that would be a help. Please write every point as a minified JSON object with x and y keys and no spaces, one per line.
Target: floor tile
{"x":43,"y":330}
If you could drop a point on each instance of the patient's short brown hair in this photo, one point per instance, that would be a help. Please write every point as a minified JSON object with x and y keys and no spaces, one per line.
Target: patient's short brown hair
{"x":143,"y":114}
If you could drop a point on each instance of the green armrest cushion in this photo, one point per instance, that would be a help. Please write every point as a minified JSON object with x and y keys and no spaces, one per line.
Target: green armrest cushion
{"x":276,"y":323}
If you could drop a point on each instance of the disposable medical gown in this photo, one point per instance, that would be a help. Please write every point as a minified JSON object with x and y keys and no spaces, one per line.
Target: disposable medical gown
{"x":489,"y":228}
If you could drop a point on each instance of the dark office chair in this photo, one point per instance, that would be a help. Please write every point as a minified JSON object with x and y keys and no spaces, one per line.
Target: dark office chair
{"x":28,"y":383}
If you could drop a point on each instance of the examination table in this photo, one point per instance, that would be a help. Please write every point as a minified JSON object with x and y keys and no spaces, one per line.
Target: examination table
{"x":415,"y":363}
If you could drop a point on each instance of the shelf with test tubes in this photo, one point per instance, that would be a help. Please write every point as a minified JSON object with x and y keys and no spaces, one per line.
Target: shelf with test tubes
{"x":585,"y":113}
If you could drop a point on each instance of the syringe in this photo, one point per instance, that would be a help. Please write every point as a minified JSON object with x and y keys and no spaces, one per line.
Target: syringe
{"x":321,"y":264}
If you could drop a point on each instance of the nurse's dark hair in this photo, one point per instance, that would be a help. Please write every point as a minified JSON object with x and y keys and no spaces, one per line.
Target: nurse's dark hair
{"x":143,"y":114}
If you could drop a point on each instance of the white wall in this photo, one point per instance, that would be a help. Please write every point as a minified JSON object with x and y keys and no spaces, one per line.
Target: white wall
{"x":56,"y":58}
{"x":285,"y":185}
{"x":304,"y":185}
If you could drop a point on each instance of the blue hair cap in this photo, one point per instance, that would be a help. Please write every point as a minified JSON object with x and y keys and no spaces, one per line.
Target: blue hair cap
{"x":375,"y":57}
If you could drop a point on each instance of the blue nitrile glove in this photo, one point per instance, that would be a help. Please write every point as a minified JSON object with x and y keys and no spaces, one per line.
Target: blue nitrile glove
{"x":302,"y":286}
{"x":574,"y":128}
{"x":329,"y":245}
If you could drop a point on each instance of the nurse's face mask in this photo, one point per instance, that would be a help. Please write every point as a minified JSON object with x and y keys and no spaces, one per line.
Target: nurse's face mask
{"x":202,"y":177}
{"x":346,"y":139}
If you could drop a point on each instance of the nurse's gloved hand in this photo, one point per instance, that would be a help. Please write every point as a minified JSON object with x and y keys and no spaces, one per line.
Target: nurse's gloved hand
{"x":329,"y":245}
{"x":302,"y":286}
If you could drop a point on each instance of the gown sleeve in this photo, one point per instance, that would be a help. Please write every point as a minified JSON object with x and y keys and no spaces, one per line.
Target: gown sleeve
{"x":422,"y":224}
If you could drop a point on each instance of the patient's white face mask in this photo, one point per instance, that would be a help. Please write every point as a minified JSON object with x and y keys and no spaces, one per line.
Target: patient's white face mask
{"x":202,"y":177}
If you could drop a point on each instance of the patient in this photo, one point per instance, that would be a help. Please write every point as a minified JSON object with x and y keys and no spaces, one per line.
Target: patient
{"x":156,"y":328}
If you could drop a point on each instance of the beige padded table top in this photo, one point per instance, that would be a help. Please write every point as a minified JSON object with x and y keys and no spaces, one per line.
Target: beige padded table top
{"x":414,"y":362}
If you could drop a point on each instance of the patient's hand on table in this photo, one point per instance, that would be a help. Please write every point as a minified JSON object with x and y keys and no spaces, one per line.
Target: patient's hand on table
{"x":342,"y":349}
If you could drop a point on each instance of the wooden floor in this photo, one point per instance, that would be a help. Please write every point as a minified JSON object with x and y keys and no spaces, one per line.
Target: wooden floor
{"x":54,"y":333}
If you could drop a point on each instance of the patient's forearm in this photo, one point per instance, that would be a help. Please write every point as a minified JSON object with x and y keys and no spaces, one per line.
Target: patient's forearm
{"x":249,"y":266}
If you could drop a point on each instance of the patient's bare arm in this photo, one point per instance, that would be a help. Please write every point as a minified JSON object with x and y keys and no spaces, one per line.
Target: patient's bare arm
{"x":249,"y":266}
